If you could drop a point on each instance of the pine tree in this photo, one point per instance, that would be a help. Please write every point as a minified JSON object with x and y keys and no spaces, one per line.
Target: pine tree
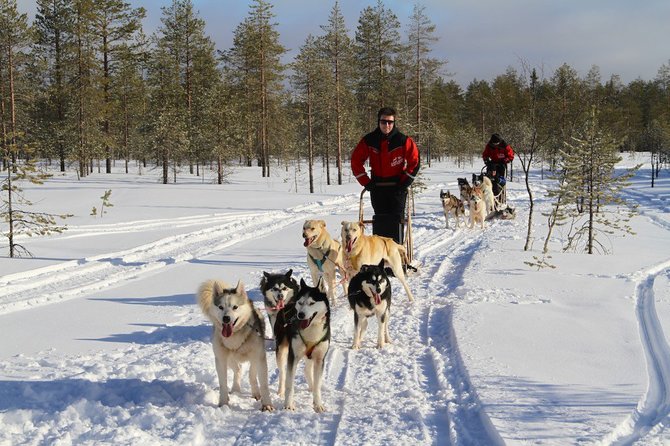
{"x":54,"y":50}
{"x":592,"y":184}
{"x":338,"y":49}
{"x":309,"y":69}
{"x":424,"y":68}
{"x":377,"y":44}
{"x":114,"y":24}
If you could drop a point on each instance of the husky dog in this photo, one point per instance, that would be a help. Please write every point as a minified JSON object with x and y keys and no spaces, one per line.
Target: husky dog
{"x":465,"y":190}
{"x":324,"y":255}
{"x":279,"y":293}
{"x":361,"y":249}
{"x":309,"y":338}
{"x":487,"y":190}
{"x":370,"y":295}
{"x":452,"y":204}
{"x":238,"y":336}
{"x":477,"y":207}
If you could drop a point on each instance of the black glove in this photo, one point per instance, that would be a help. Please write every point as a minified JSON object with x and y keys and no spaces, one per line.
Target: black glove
{"x":371,"y":185}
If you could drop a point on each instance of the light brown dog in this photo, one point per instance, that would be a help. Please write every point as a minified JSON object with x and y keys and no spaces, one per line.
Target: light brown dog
{"x":451,"y":204}
{"x":360,"y":249}
{"x":477,"y":207}
{"x":324,"y":256}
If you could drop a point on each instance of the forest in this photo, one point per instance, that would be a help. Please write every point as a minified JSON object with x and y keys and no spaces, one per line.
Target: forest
{"x":84,"y":87}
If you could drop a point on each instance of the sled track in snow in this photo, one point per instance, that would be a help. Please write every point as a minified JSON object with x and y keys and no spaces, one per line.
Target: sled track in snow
{"x":73,"y":278}
{"x":652,"y":413}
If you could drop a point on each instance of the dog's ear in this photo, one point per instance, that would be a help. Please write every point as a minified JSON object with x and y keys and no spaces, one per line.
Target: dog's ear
{"x":381,"y":264}
{"x":362,"y":226}
{"x":288,"y":273}
{"x":302,"y":283}
{"x":239,"y":289}
{"x":322,"y":223}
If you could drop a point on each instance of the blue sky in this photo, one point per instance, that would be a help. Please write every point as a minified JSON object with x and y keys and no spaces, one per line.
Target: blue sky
{"x":481,"y":38}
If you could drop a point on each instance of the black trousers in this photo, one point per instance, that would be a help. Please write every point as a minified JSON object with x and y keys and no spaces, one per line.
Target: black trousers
{"x":388,"y":203}
{"x":500,"y":170}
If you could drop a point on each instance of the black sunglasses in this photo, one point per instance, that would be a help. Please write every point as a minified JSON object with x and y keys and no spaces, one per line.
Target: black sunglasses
{"x":386,"y":121}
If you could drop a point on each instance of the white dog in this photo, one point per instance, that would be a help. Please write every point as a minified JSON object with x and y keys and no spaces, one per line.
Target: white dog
{"x":238,"y":336}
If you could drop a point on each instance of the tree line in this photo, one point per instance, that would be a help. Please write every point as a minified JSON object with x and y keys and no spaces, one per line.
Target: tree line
{"x":83,"y":86}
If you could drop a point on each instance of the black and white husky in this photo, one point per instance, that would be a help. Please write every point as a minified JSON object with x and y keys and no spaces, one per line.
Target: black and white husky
{"x":309,"y":339}
{"x":370,"y":295}
{"x":279,"y":294}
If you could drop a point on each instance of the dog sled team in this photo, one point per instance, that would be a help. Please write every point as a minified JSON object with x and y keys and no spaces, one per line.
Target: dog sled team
{"x":486,"y":197}
{"x":299,"y":313}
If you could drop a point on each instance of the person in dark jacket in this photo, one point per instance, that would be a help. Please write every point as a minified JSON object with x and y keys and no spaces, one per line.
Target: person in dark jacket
{"x":394,"y":164}
{"x":497,"y":154}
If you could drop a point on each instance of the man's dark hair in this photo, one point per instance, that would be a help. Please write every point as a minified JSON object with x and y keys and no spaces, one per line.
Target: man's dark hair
{"x":385,"y":111}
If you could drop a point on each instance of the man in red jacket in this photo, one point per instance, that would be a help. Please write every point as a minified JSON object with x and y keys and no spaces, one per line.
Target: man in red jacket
{"x":394,"y":163}
{"x":497,"y":154}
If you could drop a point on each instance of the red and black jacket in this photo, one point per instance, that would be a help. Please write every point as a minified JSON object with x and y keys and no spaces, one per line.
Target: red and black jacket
{"x":498,"y":154}
{"x":393,"y":158}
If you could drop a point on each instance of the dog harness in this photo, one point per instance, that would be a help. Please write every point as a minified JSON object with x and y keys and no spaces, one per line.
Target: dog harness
{"x":319,"y":262}
{"x":311,"y":347}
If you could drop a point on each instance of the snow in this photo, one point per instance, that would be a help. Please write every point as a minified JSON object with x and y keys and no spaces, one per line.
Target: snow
{"x":102,"y":342}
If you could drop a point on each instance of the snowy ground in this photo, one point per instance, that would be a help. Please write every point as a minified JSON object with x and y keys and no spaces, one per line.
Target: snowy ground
{"x":102,"y":342}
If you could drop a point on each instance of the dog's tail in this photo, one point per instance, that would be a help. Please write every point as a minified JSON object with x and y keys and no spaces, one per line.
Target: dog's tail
{"x":207,"y":292}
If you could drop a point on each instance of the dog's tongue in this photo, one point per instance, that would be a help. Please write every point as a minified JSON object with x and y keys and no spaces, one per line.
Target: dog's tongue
{"x":304,"y":323}
{"x":350,"y":245}
{"x":306,"y":242}
{"x":378,"y":299}
{"x":227,"y":330}
{"x":280,"y":304}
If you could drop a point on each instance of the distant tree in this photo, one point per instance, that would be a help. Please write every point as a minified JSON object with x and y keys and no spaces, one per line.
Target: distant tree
{"x":309,"y":69}
{"x":54,"y":51}
{"x":254,"y":66}
{"x":424,"y":69}
{"x":377,"y":44}
{"x":114,"y":24}
{"x":338,"y":50}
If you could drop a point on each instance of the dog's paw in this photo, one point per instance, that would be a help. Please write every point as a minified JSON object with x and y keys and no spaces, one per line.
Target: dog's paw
{"x":236,"y":389}
{"x":267,"y":408}
{"x":319,"y":408}
{"x":355,"y":347}
{"x":257,"y":396}
{"x":289,"y":406}
{"x":223,"y":402}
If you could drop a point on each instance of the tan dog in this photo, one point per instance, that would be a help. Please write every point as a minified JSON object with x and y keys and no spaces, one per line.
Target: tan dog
{"x":360,"y":249}
{"x":477,"y":207}
{"x":324,"y":255}
{"x":451,"y":204}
